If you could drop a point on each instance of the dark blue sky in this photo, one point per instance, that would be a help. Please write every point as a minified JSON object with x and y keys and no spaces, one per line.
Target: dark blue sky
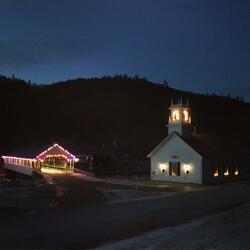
{"x":197,"y":45}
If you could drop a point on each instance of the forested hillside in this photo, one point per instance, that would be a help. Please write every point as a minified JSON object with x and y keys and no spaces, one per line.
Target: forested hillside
{"x":128,"y":114}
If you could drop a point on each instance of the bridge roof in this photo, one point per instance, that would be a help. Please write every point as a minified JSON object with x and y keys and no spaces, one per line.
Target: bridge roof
{"x":55,"y":150}
{"x":41,"y":152}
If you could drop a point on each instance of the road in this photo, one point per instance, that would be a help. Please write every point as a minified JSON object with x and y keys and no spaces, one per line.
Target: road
{"x":93,"y":226}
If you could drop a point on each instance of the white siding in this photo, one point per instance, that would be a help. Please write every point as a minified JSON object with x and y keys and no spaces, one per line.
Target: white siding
{"x":20,"y":169}
{"x":176,"y":150}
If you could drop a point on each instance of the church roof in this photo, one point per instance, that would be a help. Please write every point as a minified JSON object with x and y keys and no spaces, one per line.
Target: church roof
{"x":213,"y":146}
{"x":207,"y":145}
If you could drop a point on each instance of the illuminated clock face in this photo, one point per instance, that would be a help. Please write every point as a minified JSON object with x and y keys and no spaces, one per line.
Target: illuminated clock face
{"x":176,"y":115}
{"x":185,"y":115}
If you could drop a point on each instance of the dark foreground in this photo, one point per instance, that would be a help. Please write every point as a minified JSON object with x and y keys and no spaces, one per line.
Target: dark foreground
{"x":85,"y":227}
{"x":228,"y":230}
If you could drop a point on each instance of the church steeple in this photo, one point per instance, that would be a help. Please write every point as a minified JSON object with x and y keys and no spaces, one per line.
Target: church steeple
{"x":180,"y":118}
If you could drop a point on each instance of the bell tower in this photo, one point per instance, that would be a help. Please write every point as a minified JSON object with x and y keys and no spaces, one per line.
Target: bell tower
{"x":180,"y":119}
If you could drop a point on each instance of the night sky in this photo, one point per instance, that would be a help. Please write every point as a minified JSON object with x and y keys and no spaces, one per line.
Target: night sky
{"x":197,"y":45}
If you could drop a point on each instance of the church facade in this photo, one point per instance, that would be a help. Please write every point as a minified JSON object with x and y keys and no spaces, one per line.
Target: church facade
{"x":187,"y":157}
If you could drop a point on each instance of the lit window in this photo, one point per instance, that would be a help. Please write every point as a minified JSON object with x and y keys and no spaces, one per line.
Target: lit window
{"x":174,"y":168}
{"x":176,"y":115}
{"x":216,"y":173}
{"x":226,"y":173}
{"x":185,"y":115}
{"x":236,"y":172}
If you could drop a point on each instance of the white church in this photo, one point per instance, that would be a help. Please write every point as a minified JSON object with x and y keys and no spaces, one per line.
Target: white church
{"x":187,"y":157}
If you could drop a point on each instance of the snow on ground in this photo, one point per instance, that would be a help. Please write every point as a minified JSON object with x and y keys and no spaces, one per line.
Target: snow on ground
{"x":225,"y":230}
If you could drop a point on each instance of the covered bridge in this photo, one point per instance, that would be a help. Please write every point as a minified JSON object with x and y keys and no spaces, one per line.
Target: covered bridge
{"x":45,"y":159}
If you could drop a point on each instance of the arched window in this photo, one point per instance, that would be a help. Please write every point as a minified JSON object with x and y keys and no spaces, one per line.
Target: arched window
{"x":176,"y":115}
{"x":185,"y":115}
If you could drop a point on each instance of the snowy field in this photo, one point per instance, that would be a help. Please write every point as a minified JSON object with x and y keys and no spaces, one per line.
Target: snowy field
{"x":224,"y":230}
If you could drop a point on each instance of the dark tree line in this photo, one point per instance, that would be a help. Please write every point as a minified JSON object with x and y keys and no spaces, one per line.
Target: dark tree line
{"x":120,"y":114}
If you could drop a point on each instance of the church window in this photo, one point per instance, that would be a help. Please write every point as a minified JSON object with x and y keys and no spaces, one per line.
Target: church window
{"x":226,"y":172}
{"x":216,"y":173}
{"x":236,"y":171}
{"x":174,"y":168}
{"x":215,"y":169}
{"x":176,"y":115}
{"x":185,"y":115}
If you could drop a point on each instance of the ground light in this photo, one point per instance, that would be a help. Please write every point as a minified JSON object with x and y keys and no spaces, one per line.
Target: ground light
{"x":52,"y":171}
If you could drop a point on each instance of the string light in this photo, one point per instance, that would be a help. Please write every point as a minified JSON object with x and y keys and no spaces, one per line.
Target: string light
{"x":42,"y":156}
{"x":17,"y":158}
{"x":68,"y":155}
